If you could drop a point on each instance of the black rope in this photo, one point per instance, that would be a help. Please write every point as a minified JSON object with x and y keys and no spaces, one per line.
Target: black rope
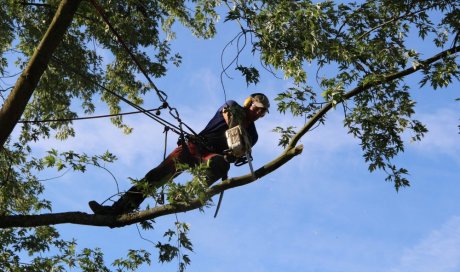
{"x":161,"y":197}
{"x":7,"y":89}
{"x":166,"y":141}
{"x":82,"y":118}
{"x":183,"y":135}
{"x":161,"y":95}
{"x":224,"y":69}
{"x":153,"y":116}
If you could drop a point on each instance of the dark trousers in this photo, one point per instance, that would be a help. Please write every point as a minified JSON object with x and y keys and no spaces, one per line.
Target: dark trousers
{"x":166,"y":171}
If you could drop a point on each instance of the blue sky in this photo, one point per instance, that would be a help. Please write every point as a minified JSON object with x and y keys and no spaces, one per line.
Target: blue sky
{"x":323,"y":211}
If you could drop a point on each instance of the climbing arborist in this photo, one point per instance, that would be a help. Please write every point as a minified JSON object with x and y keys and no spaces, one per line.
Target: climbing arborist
{"x":211,"y":147}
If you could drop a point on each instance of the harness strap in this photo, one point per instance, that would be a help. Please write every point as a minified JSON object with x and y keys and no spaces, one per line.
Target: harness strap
{"x":161,"y":197}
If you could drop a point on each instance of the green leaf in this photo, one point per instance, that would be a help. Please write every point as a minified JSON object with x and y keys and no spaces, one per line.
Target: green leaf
{"x":250,"y":74}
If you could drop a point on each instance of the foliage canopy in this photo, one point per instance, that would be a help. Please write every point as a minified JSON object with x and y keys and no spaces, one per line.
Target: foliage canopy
{"x":369,"y":45}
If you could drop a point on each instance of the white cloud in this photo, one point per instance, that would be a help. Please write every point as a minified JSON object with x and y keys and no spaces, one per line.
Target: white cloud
{"x":330,"y":139}
{"x":137,"y":153}
{"x":442,"y":137}
{"x":208,"y":86}
{"x":439,"y":252}
{"x":97,"y":136}
{"x":323,"y":141}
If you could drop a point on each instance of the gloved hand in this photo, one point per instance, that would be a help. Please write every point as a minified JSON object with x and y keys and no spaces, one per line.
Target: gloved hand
{"x":229,"y":158}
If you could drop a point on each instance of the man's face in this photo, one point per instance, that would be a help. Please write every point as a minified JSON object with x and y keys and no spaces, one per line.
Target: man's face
{"x":256,"y":112}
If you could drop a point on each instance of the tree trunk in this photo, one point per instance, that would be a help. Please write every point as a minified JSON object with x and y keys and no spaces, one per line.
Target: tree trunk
{"x":16,"y":102}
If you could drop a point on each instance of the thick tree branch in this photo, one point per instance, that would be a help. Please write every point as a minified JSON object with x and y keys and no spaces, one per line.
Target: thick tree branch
{"x":367,"y":86}
{"x":291,"y":151}
{"x":16,"y":102}
{"x":127,"y":219}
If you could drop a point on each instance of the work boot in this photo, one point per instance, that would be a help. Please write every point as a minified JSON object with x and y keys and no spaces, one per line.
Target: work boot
{"x":101,"y":209}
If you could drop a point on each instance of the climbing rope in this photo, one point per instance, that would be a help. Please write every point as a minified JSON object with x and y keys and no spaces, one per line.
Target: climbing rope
{"x":83,"y":118}
{"x":153,"y":115}
{"x":161,"y":95}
